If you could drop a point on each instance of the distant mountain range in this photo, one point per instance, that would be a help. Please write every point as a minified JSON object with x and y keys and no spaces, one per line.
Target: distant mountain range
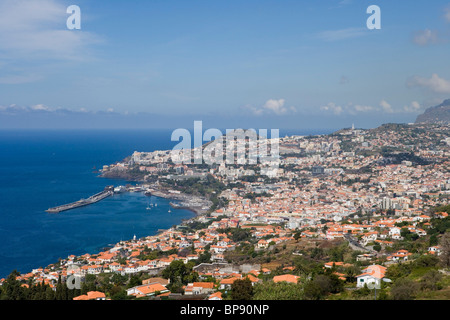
{"x":439,"y":114}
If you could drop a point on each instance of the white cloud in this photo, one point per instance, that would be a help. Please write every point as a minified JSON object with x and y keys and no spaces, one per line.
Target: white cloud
{"x":271,"y":106}
{"x":360,"y":108}
{"x":254,"y":110}
{"x":425,"y":37}
{"x":435,"y":83}
{"x":386,"y":107}
{"x":40,"y":107}
{"x":354,"y":109}
{"x":332,"y":107}
{"x":413,"y":107}
{"x":36,"y":29}
{"x":276,"y":106}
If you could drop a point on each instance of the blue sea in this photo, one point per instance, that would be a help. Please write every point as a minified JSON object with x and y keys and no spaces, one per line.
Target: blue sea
{"x":40,"y":169}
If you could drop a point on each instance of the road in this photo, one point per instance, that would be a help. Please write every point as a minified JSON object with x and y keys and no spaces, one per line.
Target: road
{"x":355,"y":245}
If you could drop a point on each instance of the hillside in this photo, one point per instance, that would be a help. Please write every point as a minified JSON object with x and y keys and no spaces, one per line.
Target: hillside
{"x":439,"y":114}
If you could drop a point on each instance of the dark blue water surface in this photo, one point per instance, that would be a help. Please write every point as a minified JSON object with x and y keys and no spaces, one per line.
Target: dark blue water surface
{"x":42,"y":169}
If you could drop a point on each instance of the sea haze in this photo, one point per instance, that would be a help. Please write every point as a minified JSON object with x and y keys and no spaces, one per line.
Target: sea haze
{"x":45,"y":168}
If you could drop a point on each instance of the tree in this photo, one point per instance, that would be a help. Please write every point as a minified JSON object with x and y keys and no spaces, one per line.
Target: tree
{"x":61,"y":290}
{"x":445,"y":250}
{"x":362,"y":292}
{"x":204,"y":257}
{"x":179,"y":273}
{"x":12,"y":288}
{"x":322,"y":285}
{"x":433,"y":240}
{"x":398,"y":271}
{"x":313,"y":291}
{"x":404,"y":289}
{"x":270,"y":290}
{"x":427,"y":261}
{"x":134,"y":281}
{"x":242,"y":289}
{"x":430,"y":280}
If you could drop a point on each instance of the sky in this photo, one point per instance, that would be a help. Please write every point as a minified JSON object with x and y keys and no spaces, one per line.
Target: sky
{"x":249,"y":63}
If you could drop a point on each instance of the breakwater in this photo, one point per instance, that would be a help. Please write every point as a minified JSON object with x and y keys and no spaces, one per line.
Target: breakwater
{"x":108,"y":191}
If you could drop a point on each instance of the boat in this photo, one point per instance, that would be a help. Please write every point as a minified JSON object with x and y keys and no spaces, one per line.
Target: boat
{"x":120,"y":189}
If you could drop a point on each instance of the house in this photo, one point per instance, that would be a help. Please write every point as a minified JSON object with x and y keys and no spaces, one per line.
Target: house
{"x":218,"y":249}
{"x":265,"y":271}
{"x":420,"y":232}
{"x":422,"y":218}
{"x":441,"y":215}
{"x":215,"y":296}
{"x":217,"y":257}
{"x":365,"y":257}
{"x":94,"y":269}
{"x":371,"y":275}
{"x":330,"y":265}
{"x":394,"y":232}
{"x":199,"y":288}
{"x":226,"y":283}
{"x":91,"y":295}
{"x":369,"y":237}
{"x":434,"y":250}
{"x":400,"y":255}
{"x":286,"y":278}
{"x":147,"y":290}
{"x":262,"y":244}
{"x":115,"y":266}
{"x":161,"y":281}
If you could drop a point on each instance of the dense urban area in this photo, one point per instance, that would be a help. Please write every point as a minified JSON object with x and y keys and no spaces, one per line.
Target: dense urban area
{"x":359,"y":214}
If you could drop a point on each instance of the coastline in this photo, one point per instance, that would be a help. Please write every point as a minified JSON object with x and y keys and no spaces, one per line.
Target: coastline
{"x":187,"y":201}
{"x":165,"y":194}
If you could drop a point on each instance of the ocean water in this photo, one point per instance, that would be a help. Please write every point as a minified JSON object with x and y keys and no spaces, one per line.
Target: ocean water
{"x":42,"y":169}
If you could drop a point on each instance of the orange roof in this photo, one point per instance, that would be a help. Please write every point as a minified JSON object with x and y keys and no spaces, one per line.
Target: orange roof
{"x":91,"y":295}
{"x":252,"y":278}
{"x":205,"y":285}
{"x":229,"y":280}
{"x":151,"y":288}
{"x":287,"y":278}
{"x":376,"y":271}
{"x":217,"y":294}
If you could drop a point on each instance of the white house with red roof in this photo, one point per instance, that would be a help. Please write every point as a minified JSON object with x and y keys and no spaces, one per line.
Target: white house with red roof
{"x":371,"y":275}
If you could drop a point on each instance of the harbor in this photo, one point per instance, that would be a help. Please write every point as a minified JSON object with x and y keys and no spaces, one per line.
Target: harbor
{"x":189,"y":202}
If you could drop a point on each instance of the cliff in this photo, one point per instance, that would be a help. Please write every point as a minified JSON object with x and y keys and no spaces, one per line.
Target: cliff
{"x":439,"y":114}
